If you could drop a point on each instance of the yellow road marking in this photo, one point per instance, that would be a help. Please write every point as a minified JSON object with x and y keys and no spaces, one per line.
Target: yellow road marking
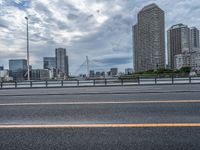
{"x":103,"y":126}
{"x":97,"y":103}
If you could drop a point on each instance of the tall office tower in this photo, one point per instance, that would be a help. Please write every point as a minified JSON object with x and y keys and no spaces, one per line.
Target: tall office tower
{"x":18,"y":69}
{"x":194,"y":39}
{"x":178,"y":41}
{"x":62,"y":65}
{"x":49,"y":62}
{"x":149,"y":39}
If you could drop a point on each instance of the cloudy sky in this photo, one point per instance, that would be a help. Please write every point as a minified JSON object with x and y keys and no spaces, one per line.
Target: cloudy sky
{"x":100,"y":29}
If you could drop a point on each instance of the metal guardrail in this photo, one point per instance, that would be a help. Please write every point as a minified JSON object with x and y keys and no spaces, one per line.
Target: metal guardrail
{"x":103,"y":82}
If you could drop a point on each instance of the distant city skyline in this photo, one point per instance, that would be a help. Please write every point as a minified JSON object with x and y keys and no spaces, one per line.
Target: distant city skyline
{"x":86,"y":29}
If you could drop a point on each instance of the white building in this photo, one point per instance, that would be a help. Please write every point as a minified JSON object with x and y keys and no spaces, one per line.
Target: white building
{"x":4,"y":75}
{"x":191,"y":59}
{"x":195,"y":62}
{"x":182,"y":60}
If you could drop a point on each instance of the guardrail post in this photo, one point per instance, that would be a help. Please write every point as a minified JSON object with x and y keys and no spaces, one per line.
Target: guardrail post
{"x":46,"y":83}
{"x":1,"y":84}
{"x":62,"y":83}
{"x":190,"y":79}
{"x":94,"y":83}
{"x":172,"y":79}
{"x":31,"y":84}
{"x":138,"y":80}
{"x":155,"y":80}
{"x":15,"y":84}
{"x":77,"y":82}
{"x":105,"y":82}
{"x":122,"y":82}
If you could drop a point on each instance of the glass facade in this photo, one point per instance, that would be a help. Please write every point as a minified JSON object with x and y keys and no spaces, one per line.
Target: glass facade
{"x":49,"y":62}
{"x":40,"y":74}
{"x":185,"y":38}
{"x":18,"y":69}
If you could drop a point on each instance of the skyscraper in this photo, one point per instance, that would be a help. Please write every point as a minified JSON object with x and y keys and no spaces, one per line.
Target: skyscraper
{"x":182,"y":42}
{"x":149,"y":39}
{"x":178,"y":40}
{"x":62,"y":62}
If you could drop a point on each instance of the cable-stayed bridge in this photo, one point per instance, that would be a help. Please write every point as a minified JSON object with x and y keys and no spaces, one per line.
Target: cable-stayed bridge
{"x":88,"y":65}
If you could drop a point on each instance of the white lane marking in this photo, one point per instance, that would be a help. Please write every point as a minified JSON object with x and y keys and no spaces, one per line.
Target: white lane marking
{"x":99,"y":103}
{"x":146,"y":125}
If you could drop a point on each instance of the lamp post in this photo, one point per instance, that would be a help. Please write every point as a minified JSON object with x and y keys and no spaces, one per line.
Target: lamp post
{"x":28,"y":50}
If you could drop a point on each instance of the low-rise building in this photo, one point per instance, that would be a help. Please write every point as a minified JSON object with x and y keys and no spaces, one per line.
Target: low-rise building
{"x":40,"y":74}
{"x":195,"y":62}
{"x":182,"y":60}
{"x":98,"y":74}
{"x":113,"y":72}
{"x":191,"y":59}
{"x":4,"y":76}
{"x":52,"y":72}
{"x":128,"y":71}
{"x":18,"y":69}
{"x":92,"y":73}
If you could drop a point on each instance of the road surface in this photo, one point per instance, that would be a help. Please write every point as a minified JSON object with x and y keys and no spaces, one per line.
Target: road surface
{"x":142,"y":117}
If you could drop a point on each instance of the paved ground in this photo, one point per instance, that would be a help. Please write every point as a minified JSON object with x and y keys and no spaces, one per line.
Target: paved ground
{"x":142,"y":117}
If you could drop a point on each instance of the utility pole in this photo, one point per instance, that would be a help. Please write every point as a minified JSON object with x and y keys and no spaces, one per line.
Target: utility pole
{"x":87,"y":66}
{"x":28,"y":50}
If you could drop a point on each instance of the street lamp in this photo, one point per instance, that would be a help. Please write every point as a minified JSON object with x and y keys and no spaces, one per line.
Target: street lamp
{"x":28,"y":50}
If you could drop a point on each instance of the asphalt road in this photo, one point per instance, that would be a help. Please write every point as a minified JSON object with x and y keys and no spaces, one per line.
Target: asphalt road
{"x":133,"y":117}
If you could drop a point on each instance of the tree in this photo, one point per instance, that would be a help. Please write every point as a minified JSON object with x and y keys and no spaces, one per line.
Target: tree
{"x":185,"y":69}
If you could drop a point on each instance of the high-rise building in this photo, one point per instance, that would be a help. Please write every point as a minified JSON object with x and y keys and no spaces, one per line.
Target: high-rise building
{"x":182,"y":42}
{"x":49,"y":62}
{"x":194,"y":39}
{"x":178,"y":40}
{"x":62,"y":65}
{"x":18,"y":69}
{"x":149,"y":39}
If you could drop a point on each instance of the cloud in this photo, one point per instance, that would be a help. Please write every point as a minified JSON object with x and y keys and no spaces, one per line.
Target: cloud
{"x":100,"y":29}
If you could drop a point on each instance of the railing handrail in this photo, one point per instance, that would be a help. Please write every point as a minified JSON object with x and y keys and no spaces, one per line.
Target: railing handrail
{"x":100,"y":82}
